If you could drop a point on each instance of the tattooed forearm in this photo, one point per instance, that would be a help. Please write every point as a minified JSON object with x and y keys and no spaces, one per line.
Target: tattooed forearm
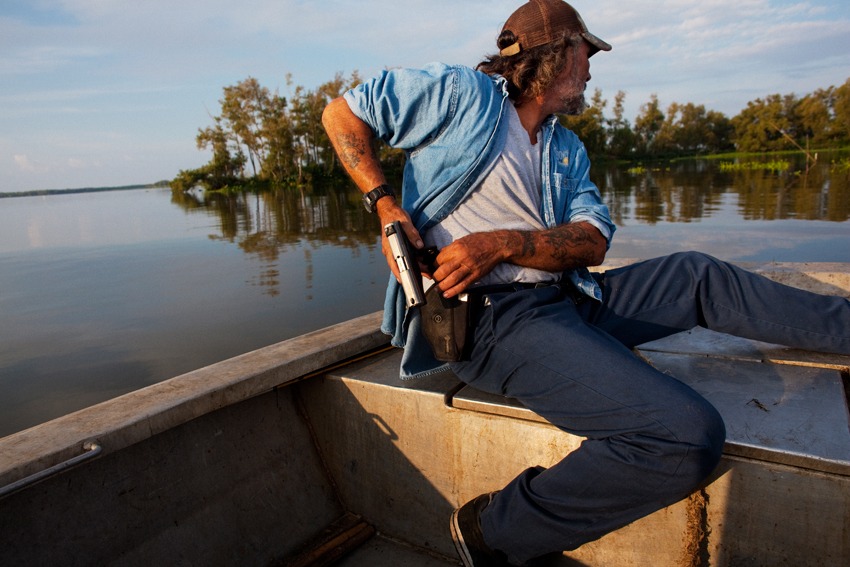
{"x":561,"y":248}
{"x":573,"y":245}
{"x":351,"y":148}
{"x":523,"y":242}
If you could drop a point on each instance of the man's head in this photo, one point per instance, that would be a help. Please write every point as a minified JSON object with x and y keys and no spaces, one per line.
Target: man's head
{"x":539,"y":42}
{"x":541,"y":22}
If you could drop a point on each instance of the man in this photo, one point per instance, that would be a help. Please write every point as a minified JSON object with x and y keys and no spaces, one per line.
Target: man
{"x":504,"y":192}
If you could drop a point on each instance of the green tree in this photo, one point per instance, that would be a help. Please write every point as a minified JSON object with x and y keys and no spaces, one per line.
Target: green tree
{"x":621,"y":137}
{"x":277,"y":135}
{"x":228,"y":161}
{"x":311,"y":144}
{"x":689,"y":129}
{"x":722,"y":132}
{"x":224,"y":169}
{"x":283,"y":140}
{"x":762,"y":126}
{"x":814,"y":113}
{"x":665,"y":137}
{"x":243,"y":110}
{"x":842,"y":112}
{"x":647,"y":125}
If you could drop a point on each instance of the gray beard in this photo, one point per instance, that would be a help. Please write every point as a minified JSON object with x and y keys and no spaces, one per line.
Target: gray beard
{"x":575,"y":105}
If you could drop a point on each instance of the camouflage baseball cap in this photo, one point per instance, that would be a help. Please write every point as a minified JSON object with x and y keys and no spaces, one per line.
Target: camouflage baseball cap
{"x":539,"y":22}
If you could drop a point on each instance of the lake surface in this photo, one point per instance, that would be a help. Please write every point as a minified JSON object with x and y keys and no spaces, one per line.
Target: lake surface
{"x":105,"y":293}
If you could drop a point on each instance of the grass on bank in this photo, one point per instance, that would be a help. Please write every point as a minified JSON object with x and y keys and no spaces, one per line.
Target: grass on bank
{"x":839,"y":161}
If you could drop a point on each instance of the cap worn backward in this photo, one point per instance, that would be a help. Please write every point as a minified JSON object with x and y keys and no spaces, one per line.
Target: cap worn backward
{"x":539,"y":22}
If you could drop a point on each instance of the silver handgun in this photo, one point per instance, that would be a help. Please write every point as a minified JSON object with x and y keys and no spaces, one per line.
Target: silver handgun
{"x":408,"y":265}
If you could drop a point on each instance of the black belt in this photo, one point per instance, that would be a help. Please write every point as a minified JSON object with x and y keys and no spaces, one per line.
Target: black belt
{"x":508,"y":287}
{"x":479,"y":294}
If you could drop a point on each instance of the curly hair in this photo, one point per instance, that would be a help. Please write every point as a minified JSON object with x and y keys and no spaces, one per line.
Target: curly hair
{"x":530,"y":72}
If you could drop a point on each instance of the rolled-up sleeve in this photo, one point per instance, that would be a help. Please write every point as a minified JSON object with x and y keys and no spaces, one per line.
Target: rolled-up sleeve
{"x":406,"y":108}
{"x":575,"y":198}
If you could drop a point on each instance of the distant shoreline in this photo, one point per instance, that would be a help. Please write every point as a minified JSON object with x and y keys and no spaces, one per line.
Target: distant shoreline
{"x":47,"y":192}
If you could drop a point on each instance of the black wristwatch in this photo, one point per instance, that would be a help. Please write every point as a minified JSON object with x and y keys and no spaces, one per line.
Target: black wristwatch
{"x":370,"y":199}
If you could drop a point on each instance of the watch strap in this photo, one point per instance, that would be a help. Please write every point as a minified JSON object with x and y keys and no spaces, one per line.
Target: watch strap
{"x":370,"y":199}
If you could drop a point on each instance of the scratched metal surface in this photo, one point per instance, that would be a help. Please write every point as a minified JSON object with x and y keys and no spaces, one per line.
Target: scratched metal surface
{"x":793,"y":412}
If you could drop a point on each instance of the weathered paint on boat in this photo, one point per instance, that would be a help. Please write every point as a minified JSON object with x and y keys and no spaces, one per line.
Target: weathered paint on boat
{"x":249,"y":461}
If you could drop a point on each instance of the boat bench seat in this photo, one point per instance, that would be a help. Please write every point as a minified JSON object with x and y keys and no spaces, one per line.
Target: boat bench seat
{"x":780,"y":405}
{"x":434,"y":443}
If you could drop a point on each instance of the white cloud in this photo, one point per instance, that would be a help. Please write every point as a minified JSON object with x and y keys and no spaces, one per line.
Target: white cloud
{"x":720,"y":53}
{"x":42,"y":59}
{"x":151,"y":71}
{"x":25,"y":164}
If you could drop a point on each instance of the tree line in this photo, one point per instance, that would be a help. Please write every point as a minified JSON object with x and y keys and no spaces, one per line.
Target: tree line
{"x":261,"y":138}
{"x":49,"y":192}
{"x":774,"y":123}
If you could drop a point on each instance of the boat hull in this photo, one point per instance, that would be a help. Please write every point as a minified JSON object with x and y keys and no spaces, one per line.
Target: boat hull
{"x":250,"y":461}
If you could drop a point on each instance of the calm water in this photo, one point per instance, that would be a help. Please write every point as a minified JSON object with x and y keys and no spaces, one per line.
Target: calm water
{"x":101,"y":294}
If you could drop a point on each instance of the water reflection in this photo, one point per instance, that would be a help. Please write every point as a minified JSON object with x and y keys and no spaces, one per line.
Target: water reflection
{"x":693,"y":190}
{"x":722,"y":197}
{"x":266,"y":224}
{"x":109,"y":292}
{"x":129,"y":288}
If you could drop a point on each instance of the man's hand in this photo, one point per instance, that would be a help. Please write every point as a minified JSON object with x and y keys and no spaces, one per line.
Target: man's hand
{"x":470,"y":258}
{"x":389,"y":211}
{"x":467,"y":260}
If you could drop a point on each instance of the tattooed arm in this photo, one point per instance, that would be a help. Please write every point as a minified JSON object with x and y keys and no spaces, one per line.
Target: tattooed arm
{"x":564,"y":247}
{"x":467,"y":259}
{"x":354,"y":143}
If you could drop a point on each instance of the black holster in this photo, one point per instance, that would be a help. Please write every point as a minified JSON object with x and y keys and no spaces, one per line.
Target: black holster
{"x":446,"y":324}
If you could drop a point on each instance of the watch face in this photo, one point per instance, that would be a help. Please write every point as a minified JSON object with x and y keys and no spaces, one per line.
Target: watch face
{"x":370,"y":199}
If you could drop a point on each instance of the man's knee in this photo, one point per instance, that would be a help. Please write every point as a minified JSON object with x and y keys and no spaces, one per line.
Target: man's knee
{"x":697,"y":262}
{"x":701,"y":436}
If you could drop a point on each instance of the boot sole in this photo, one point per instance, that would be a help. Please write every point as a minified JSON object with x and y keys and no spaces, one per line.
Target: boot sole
{"x":457,"y":538}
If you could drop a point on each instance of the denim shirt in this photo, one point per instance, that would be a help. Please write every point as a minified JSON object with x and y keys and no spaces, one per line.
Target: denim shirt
{"x":450,"y":121}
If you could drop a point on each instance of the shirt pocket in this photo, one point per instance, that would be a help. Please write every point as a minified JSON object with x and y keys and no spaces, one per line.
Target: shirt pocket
{"x":564,"y":189}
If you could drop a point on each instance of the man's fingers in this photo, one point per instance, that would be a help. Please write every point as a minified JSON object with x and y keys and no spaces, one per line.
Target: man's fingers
{"x":412,"y":234}
{"x":455,"y":278}
{"x":457,"y":288}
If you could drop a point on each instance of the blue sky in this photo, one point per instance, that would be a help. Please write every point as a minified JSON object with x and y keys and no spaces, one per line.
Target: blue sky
{"x":101,"y":93}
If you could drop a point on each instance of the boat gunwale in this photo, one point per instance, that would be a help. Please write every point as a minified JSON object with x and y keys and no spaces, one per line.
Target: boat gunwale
{"x":136,"y":416}
{"x":133,"y":417}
